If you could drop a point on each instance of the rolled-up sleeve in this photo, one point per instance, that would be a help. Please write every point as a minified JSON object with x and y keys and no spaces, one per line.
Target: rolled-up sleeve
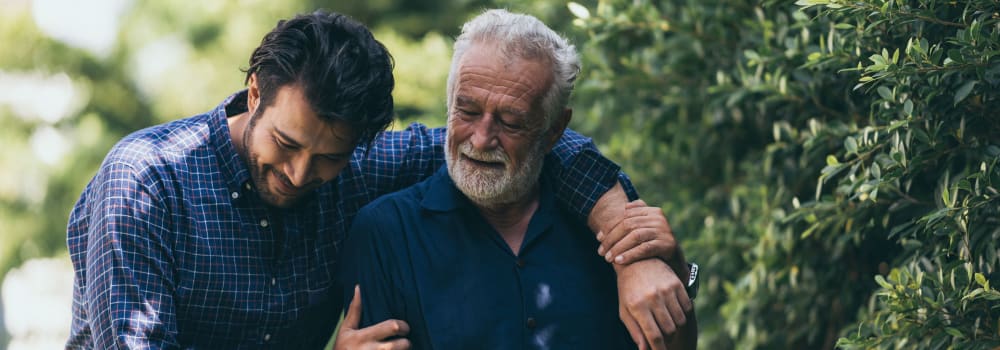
{"x":582,"y":175}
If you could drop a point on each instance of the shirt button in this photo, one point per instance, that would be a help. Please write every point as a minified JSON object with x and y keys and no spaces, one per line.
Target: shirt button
{"x":267,"y":337}
{"x":530,"y":323}
{"x":263,"y":222}
{"x":520,"y":263}
{"x":235,"y":195}
{"x":247,"y":185}
{"x":273,"y":281}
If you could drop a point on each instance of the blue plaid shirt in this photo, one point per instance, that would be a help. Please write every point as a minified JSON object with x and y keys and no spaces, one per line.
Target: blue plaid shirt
{"x":172,"y":248}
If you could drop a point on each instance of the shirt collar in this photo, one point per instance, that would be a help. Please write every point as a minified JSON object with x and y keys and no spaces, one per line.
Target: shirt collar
{"x":441,"y":193}
{"x":233,"y":169}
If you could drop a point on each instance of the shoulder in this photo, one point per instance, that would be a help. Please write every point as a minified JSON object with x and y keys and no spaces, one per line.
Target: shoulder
{"x":394,"y":209}
{"x":158,"y":149}
{"x":158,"y":141}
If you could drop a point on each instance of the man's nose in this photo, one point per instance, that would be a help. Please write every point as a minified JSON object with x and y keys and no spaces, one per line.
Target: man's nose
{"x":484,"y":136}
{"x":299,"y":170}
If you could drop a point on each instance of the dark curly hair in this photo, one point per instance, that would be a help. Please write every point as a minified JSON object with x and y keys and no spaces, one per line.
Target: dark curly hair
{"x":343,"y":71}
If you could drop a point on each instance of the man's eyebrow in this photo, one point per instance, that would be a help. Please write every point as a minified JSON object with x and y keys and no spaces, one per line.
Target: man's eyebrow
{"x":467,"y":101}
{"x":288,"y":139}
{"x":464,"y":100}
{"x":513,"y":111}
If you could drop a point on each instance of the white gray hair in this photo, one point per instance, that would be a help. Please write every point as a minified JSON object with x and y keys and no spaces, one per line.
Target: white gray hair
{"x":526,"y":37}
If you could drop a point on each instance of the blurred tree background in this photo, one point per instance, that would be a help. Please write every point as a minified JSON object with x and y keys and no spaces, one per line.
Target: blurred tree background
{"x":831,"y":164}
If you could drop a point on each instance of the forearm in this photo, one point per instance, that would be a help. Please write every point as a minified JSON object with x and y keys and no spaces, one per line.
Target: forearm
{"x":608,"y":210}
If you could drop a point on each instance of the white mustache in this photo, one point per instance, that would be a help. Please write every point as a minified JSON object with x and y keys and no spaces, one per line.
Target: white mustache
{"x":494,"y":155}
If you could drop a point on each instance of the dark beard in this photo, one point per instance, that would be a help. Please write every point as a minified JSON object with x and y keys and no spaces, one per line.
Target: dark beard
{"x":257,"y":175}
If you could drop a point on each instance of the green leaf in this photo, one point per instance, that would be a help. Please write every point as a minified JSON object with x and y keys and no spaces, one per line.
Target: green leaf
{"x":851,"y":145}
{"x":954,"y":332}
{"x":980,"y":279}
{"x":964,"y":91}
{"x":831,"y":160}
{"x":885,"y":93}
{"x":908,"y":108}
{"x":882,"y":282}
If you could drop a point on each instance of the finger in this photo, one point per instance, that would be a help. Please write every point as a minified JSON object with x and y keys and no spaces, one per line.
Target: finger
{"x":612,"y":237}
{"x":643,"y":244}
{"x":396,"y":344}
{"x":636,"y":210}
{"x":635,"y":204}
{"x":662,"y":239}
{"x":651,"y":330}
{"x":603,"y":235}
{"x":353,"y":316}
{"x":643,"y":251}
{"x":600,"y":247}
{"x":633,"y":328}
{"x":386,"y":329}
{"x":666,"y":326}
{"x":631,"y":240}
{"x":674,"y":311}
{"x":687,"y":303}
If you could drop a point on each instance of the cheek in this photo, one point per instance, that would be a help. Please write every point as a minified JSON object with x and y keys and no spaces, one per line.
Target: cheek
{"x":517,"y":150}
{"x":266,"y":152}
{"x":459,"y":132}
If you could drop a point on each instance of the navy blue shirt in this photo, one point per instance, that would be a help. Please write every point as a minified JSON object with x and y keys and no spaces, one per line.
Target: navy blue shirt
{"x":172,"y":247}
{"x":426,"y":255}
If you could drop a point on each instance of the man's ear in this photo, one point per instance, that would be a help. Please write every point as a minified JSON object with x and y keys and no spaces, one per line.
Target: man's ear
{"x":253,"y":94}
{"x":558,"y":127}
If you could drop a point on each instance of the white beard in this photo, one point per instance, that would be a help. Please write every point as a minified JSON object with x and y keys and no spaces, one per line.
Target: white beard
{"x":493,"y":187}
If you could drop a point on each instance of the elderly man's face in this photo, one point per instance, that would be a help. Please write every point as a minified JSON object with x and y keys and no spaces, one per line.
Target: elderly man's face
{"x":496,"y":125}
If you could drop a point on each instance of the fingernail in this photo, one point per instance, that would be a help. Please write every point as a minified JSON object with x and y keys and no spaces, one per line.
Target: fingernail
{"x":607,"y":256}
{"x":600,"y":250}
{"x":600,"y":236}
{"x":619,"y":259}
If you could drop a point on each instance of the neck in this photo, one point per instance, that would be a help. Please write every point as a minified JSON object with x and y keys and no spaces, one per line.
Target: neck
{"x":237,"y":126}
{"x":511,"y":220}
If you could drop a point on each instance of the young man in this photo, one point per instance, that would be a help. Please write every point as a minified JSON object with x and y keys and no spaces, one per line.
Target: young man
{"x":222,"y":230}
{"x":478,"y":256}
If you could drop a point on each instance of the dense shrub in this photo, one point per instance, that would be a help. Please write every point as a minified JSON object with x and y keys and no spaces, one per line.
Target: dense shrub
{"x":832,"y":164}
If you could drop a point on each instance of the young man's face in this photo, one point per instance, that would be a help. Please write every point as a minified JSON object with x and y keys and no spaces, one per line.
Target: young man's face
{"x":497,"y":136}
{"x":291,"y":151}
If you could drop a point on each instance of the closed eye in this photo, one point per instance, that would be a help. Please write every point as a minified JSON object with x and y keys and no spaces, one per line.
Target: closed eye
{"x":334,"y":158}
{"x":466,"y":112}
{"x":512,"y":126}
{"x":283,"y":145}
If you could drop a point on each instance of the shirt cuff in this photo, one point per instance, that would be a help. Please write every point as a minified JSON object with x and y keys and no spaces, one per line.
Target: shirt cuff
{"x":586,"y":178}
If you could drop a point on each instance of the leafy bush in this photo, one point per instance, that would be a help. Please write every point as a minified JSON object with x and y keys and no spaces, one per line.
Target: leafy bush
{"x":833,"y":164}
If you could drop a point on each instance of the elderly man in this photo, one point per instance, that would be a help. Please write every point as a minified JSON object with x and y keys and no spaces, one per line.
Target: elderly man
{"x":478,"y":256}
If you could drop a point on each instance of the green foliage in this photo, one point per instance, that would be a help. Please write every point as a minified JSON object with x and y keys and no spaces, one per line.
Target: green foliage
{"x":803,"y":150}
{"x":831,"y":164}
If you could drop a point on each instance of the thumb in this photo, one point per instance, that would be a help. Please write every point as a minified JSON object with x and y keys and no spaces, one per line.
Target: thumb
{"x":353,"y":316}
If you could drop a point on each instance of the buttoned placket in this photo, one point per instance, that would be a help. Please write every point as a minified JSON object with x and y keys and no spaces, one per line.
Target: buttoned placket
{"x":529,"y":321}
{"x":266,"y":227}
